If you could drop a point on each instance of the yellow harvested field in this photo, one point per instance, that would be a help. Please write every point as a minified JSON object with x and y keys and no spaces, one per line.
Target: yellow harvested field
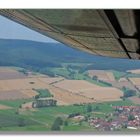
{"x":110,"y":76}
{"x":16,"y":94}
{"x":22,"y":88}
{"x":21,"y":84}
{"x":102,"y":75}
{"x":135,"y":81}
{"x":81,"y":91}
{"x":123,"y":80}
{"x":75,"y":85}
{"x":29,"y":93}
{"x":66,"y":92}
{"x":136,"y":71}
{"x":103,"y":94}
{"x":6,"y":69}
{"x":67,"y":98}
{"x":7,"y":73}
{"x":4,"y":107}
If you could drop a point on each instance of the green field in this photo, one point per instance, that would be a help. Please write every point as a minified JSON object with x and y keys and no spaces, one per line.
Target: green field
{"x":43,"y":93}
{"x":75,"y":75}
{"x":42,"y":119}
{"x":118,"y":74}
{"x":15,"y":103}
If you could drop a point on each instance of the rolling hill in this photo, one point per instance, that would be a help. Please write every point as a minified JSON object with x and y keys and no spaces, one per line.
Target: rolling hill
{"x":25,"y":53}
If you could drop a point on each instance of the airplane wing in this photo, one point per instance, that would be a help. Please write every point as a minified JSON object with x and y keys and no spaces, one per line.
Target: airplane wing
{"x":113,"y":33}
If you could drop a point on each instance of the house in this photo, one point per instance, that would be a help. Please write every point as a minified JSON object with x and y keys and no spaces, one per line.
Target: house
{"x":132,"y":128}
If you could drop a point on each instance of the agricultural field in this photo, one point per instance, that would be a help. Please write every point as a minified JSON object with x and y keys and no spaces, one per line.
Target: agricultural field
{"x":73,"y":74}
{"x":64,"y":97}
{"x":91,"y":91}
{"x":16,"y":94}
{"x":135,"y":81}
{"x":102,"y":94}
{"x":81,"y":95}
{"x":102,"y":75}
{"x":75,"y":85}
{"x":118,"y":74}
{"x":21,"y":84}
{"x":43,"y":93}
{"x":136,"y":71}
{"x":6,"y":74}
{"x":42,"y":119}
{"x":135,"y":99}
{"x":64,"y":91}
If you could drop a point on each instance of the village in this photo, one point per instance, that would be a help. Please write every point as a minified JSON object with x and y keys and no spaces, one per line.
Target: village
{"x":124,"y":117}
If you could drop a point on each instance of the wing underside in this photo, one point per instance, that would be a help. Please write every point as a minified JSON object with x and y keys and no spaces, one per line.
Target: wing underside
{"x":113,"y":33}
